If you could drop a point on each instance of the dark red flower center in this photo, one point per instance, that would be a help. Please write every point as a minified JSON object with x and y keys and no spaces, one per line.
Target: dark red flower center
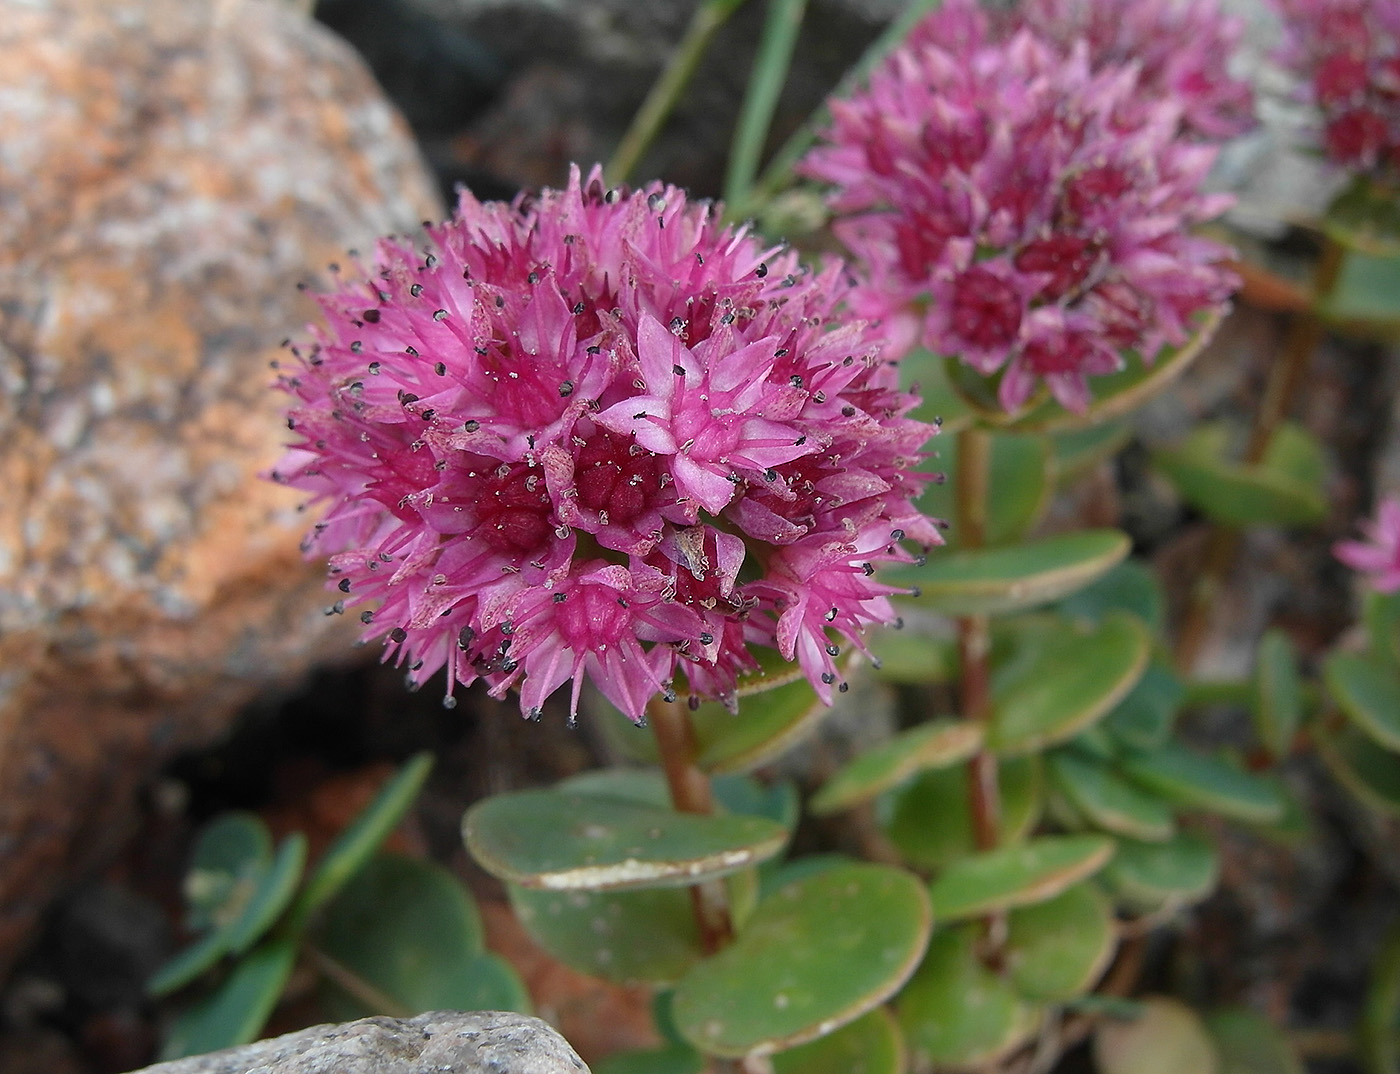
{"x":615,"y":477}
{"x":986,"y":309}
{"x":514,"y":510}
{"x":1065,"y":258}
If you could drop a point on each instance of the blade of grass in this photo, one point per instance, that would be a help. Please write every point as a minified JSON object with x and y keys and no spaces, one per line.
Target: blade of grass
{"x":770,"y":71}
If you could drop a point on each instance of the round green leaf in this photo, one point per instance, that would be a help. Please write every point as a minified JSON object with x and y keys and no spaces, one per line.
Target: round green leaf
{"x":872,"y":1044}
{"x":1020,"y":474}
{"x":930,"y":821}
{"x":1381,"y":614}
{"x":409,"y":931}
{"x":1248,"y":1043}
{"x":236,"y":1011}
{"x":1131,"y":587}
{"x":915,"y":657}
{"x":233,"y":852}
{"x":1365,"y":218}
{"x":1280,"y":692}
{"x":272,"y":896}
{"x":1058,"y":950}
{"x":560,"y":841}
{"x":671,"y":1059}
{"x":354,"y":846}
{"x":1368,"y":691}
{"x":955,"y":1011}
{"x":1364,"y":301}
{"x":1194,"y":781}
{"x":996,"y":880}
{"x":1143,"y":720}
{"x":188,"y":964}
{"x":936,"y":744}
{"x":1168,"y":1037}
{"x":767,"y":725}
{"x":996,"y":580}
{"x":1284,"y":489}
{"x":1077,"y":451}
{"x":1106,"y":800}
{"x":1072,"y":678}
{"x":1365,"y":769}
{"x":1145,"y":876}
{"x":816,"y":954}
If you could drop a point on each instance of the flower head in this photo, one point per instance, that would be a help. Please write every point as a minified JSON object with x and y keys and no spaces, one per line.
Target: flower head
{"x":1030,"y":208}
{"x":1379,"y":554}
{"x":1347,"y":53}
{"x":594,"y":433}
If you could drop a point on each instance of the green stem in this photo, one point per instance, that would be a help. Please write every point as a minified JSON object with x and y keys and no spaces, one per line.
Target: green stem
{"x":691,"y":793}
{"x":667,"y":90}
{"x":779,"y":171}
{"x":770,"y":69}
{"x":1286,"y":376}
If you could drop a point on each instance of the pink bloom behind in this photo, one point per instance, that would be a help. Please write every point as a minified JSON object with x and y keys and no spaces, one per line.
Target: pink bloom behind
{"x":595,"y":433}
{"x":1347,"y":52}
{"x":1379,"y":554}
{"x":1034,"y":207}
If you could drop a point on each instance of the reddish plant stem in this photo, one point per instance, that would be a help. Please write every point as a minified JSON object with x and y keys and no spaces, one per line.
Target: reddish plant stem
{"x":691,"y":793}
{"x":1286,"y":376}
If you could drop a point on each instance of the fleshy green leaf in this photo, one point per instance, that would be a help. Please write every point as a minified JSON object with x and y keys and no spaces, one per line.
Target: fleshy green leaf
{"x":1106,"y":800}
{"x":1381,"y":614}
{"x":1143,"y":720}
{"x":1168,"y":1037}
{"x":1073,"y":677}
{"x":909,"y":656}
{"x":1284,"y":489}
{"x":1058,"y":950}
{"x":925,"y":374}
{"x":1368,"y":691}
{"x":1365,"y":217}
{"x":357,"y":843}
{"x":563,"y":841}
{"x":767,"y":726}
{"x":1365,"y":769}
{"x":995,"y":880}
{"x":671,"y":1059}
{"x":955,"y":1011}
{"x":188,"y":964}
{"x":930,"y":821}
{"x":408,"y":930}
{"x":1280,"y":693}
{"x":235,"y":1012}
{"x":1248,"y":1043}
{"x":233,"y":852}
{"x":1131,"y":587}
{"x":872,"y":1044}
{"x":1364,"y":299}
{"x":1020,"y":474}
{"x":817,"y":954}
{"x":1195,"y":781}
{"x":996,"y":580}
{"x":1077,"y":451}
{"x":935,"y":744}
{"x":1145,"y":876}
{"x":272,"y":896}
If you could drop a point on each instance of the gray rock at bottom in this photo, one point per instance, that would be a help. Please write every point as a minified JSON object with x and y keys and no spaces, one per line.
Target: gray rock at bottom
{"x":440,"y":1042}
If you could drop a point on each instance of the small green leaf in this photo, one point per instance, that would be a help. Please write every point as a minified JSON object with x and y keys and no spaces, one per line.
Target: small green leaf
{"x":1284,"y":489}
{"x":1365,"y":769}
{"x":671,"y":1059}
{"x":930,"y":821}
{"x":817,"y":954}
{"x":272,"y":896}
{"x":1250,"y":1044}
{"x":1059,"y":949}
{"x":955,"y":1011}
{"x":1195,"y":781}
{"x":778,"y":801}
{"x":1146,"y":876}
{"x":936,"y":744}
{"x":1364,"y":299}
{"x":1280,"y":693}
{"x":235,"y":1012}
{"x":1077,"y":451}
{"x":563,"y":841}
{"x":1167,"y":1038}
{"x":188,"y":964}
{"x":1131,"y":587}
{"x":1020,"y":474}
{"x":872,"y":1044}
{"x":354,"y":846}
{"x":996,"y":880}
{"x":1106,"y":800}
{"x":1368,"y":691}
{"x":1381,"y":614}
{"x":1365,"y":217}
{"x":910,"y":656}
{"x":925,"y":374}
{"x":767,"y":726}
{"x":996,"y":580}
{"x":408,"y":930}
{"x":1073,"y":678}
{"x":1143,"y":720}
{"x":233,"y":852}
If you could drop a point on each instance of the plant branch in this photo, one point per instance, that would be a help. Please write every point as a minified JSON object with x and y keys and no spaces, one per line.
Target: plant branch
{"x":666,"y":91}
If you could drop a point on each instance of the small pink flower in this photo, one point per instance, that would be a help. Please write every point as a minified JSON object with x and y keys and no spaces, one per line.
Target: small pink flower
{"x":592,"y":433}
{"x":1379,"y":554}
{"x":1347,"y":55}
{"x":1028,"y":199}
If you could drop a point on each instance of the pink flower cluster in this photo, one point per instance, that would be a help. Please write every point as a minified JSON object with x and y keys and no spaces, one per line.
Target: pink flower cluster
{"x":593,"y":432}
{"x":1015,"y":207}
{"x":1182,"y":49}
{"x":1379,"y":554}
{"x":1348,"y":54}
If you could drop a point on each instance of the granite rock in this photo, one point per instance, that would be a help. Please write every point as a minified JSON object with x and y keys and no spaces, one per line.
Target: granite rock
{"x":169,"y":171}
{"x":447,"y":1042}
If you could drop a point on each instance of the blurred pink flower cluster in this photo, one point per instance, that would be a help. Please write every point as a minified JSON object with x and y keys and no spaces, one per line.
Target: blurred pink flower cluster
{"x":1015,"y":204}
{"x":1379,"y":554}
{"x":1348,"y":54}
{"x":595,"y":432}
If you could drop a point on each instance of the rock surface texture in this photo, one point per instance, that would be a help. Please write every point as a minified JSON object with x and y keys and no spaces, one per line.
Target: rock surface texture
{"x":446,"y":1042}
{"x":168,"y":172}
